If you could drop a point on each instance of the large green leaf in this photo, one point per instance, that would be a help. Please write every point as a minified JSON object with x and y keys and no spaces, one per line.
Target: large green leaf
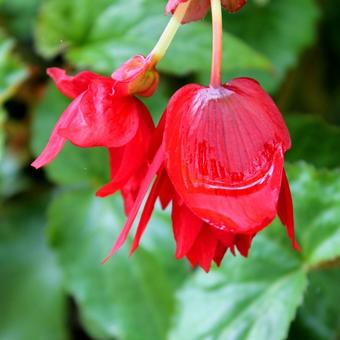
{"x":104,"y":34}
{"x":12,"y":178}
{"x":128,"y":297}
{"x":18,"y":16}
{"x":257,"y":298}
{"x":12,"y":71}
{"x":32,"y":298}
{"x":314,"y":141}
{"x":2,"y":131}
{"x":316,"y":195}
{"x":73,"y":165}
{"x":281,"y":30}
{"x":319,"y":317}
{"x":254,"y":298}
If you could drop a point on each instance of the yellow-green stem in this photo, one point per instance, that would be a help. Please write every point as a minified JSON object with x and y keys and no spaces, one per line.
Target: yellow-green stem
{"x":216,"y":13}
{"x":169,"y":33}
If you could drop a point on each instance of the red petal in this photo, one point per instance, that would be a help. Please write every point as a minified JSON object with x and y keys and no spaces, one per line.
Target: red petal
{"x":224,"y":153}
{"x":166,"y":192}
{"x":56,"y":141}
{"x":219,"y":253}
{"x":106,"y":120}
{"x":233,"y":5}
{"x":154,"y":167}
{"x":129,"y":193}
{"x":119,"y":158}
{"x":243,"y":243}
{"x":197,"y":10}
{"x":129,"y":163}
{"x":285,"y":210}
{"x":186,"y":227}
{"x":225,"y":237}
{"x":157,"y":137}
{"x":147,"y":211}
{"x":72,"y":86}
{"x":203,"y":250}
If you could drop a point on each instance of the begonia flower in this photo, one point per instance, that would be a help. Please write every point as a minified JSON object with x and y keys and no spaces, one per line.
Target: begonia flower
{"x":105,"y":113}
{"x":220,"y":162}
{"x":198,"y":9}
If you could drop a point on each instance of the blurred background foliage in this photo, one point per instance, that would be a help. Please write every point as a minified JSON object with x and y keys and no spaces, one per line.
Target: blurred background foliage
{"x":54,"y":232}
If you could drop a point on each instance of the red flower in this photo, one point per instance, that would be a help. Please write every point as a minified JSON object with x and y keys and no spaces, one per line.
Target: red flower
{"x":223,"y":151}
{"x":198,"y":9}
{"x":105,"y":113}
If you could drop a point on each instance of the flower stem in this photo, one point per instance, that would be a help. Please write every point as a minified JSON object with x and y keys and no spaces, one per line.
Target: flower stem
{"x":169,"y":33}
{"x":216,"y":13}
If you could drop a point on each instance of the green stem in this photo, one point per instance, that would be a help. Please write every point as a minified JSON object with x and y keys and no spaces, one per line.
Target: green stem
{"x":169,"y":33}
{"x":216,"y":13}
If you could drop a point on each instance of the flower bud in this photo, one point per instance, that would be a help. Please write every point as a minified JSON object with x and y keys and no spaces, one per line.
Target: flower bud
{"x":233,"y":5}
{"x":137,"y":76}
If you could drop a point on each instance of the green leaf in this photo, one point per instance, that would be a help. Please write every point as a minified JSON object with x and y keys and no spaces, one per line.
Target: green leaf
{"x":76,"y":166}
{"x":12,"y":179}
{"x":281,"y":30}
{"x":32,"y":298}
{"x":254,"y":298}
{"x":128,"y":297}
{"x":316,"y":195}
{"x":102,"y":37}
{"x":319,"y":316}
{"x":314,"y":141}
{"x":18,"y":16}
{"x":12,"y":73}
{"x":2,"y":131}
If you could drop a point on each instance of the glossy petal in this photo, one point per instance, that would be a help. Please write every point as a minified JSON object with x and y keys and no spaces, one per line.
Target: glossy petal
{"x":285,"y":210}
{"x":130,"y":189}
{"x":186,"y":227}
{"x":203,"y":250}
{"x":227,"y":238}
{"x":147,"y":211}
{"x":72,"y":86}
{"x":56,"y":141}
{"x":166,"y":192}
{"x":128,"y":164}
{"x":224,"y":153}
{"x":97,"y":117}
{"x":243,"y":243}
{"x":105,"y":119}
{"x":191,"y":239}
{"x":219,"y":253}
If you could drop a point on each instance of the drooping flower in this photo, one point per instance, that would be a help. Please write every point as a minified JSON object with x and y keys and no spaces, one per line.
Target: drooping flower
{"x":105,"y":113}
{"x":198,"y":9}
{"x":221,"y":163}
